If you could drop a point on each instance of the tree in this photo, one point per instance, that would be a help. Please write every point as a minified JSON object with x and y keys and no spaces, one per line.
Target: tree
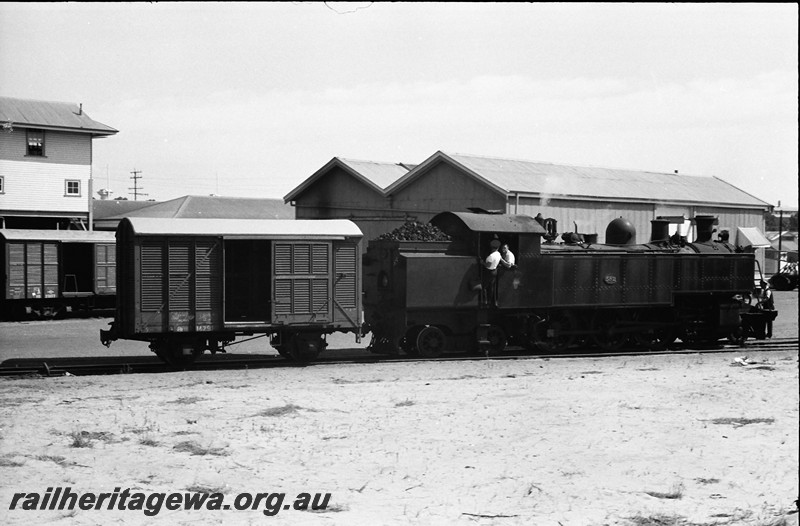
{"x":789,"y":222}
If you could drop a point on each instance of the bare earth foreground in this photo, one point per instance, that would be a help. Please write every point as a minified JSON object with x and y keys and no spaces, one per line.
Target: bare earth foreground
{"x":684,"y":440}
{"x":692,"y":439}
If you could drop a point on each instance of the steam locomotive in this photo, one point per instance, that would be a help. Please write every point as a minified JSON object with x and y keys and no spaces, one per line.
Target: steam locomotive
{"x":429,"y":297}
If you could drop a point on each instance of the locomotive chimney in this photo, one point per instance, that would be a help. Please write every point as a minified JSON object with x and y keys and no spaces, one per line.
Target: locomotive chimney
{"x":659,"y":230}
{"x":705,"y":228}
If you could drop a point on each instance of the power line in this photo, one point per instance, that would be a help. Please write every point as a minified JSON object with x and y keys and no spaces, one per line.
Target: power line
{"x":136,"y":177}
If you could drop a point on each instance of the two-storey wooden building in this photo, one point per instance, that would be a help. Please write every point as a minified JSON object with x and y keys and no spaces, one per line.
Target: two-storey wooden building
{"x":46,"y":163}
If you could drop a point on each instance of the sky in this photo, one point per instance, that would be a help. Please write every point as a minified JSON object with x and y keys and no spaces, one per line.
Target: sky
{"x":250,"y":99}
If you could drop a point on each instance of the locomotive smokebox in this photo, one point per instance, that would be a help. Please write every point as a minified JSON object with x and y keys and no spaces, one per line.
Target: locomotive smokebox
{"x":705,"y":228}
{"x":659,"y":230}
{"x":621,"y":232}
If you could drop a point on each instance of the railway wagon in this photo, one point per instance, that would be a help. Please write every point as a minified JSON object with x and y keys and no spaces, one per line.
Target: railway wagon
{"x":51,"y":272}
{"x":428,"y":297}
{"x":190,"y":285}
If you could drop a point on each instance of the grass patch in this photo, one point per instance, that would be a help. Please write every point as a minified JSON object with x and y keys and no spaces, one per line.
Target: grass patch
{"x":707,"y":481}
{"x":405,"y":403}
{"x":148,"y":441}
{"x":336,"y":508}
{"x":199,"y":488}
{"x":739,"y":422}
{"x":193,"y":448}
{"x":87,"y":438}
{"x":676,"y":492}
{"x":52,"y":458}
{"x":10,"y":463}
{"x":668,"y":520}
{"x":188,"y":400}
{"x":287,"y":409}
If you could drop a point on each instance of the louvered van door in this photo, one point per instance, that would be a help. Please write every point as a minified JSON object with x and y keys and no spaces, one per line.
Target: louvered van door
{"x":151,"y":299}
{"x":302,"y":281}
{"x":346,"y":290}
{"x":105,"y":258}
{"x":15,"y":284}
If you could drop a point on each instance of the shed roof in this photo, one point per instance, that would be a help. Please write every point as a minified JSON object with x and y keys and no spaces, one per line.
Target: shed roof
{"x":50,"y":115}
{"x":110,"y":208}
{"x":65,"y":236}
{"x":215,"y":207}
{"x":501,"y":224}
{"x":547,"y":180}
{"x":375,"y":175}
{"x":247,"y":228}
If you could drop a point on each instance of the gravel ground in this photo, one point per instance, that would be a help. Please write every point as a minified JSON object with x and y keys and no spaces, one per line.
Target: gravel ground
{"x":658,"y":440}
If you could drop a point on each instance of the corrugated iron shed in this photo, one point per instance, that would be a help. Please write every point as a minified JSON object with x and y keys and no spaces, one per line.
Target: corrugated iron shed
{"x":546,"y":180}
{"x":376,"y":175}
{"x":66,"y":116}
{"x":249,"y":228}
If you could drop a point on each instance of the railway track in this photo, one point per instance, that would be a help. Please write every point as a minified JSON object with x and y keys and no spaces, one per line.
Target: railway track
{"x":147,"y":364}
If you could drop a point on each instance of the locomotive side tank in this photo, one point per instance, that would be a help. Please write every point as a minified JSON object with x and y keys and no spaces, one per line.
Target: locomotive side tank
{"x":192,"y":285}
{"x":48,"y":272}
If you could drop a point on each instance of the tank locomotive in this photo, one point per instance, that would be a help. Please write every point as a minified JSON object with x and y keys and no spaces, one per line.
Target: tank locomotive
{"x":427,"y":298}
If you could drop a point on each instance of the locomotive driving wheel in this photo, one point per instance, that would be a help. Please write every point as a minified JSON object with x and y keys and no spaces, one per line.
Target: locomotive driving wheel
{"x":656,"y":331}
{"x":606,"y":327}
{"x":431,"y":341}
{"x":552,"y":333}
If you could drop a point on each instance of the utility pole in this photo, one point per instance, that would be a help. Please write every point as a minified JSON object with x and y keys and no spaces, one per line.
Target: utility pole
{"x":136,"y":177}
{"x":780,"y":235}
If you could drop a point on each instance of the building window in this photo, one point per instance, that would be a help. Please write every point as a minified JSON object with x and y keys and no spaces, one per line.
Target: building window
{"x":36,"y":142}
{"x":2,"y":184}
{"x":72,"y":188}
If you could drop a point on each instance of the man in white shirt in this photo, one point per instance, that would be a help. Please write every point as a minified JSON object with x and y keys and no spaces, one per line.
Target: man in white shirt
{"x":508,"y":260}
{"x":491,"y":263}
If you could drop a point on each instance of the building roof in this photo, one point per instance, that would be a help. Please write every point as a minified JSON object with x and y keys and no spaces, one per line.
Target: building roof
{"x":215,"y":207}
{"x":67,"y":116}
{"x":547,"y":180}
{"x":376,"y":175}
{"x":194,"y":206}
{"x":246,"y":228}
{"x":108,"y":208}
{"x":66,"y":236}
{"x":787,"y":241}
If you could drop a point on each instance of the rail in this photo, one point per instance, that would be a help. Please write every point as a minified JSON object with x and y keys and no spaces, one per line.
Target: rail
{"x":147,"y":364}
